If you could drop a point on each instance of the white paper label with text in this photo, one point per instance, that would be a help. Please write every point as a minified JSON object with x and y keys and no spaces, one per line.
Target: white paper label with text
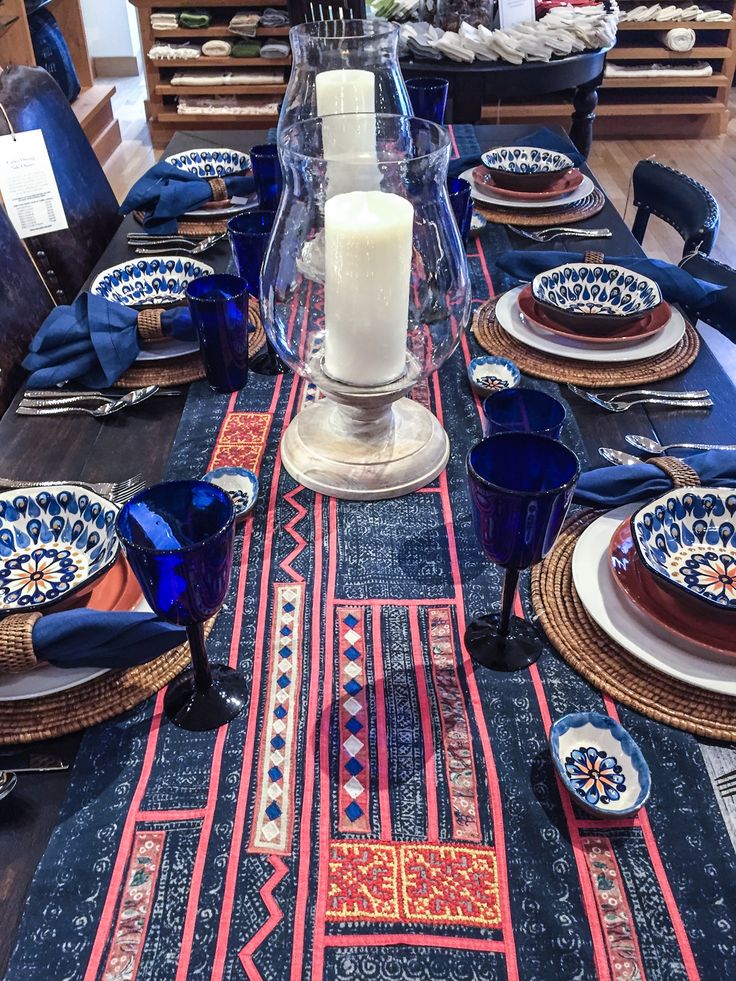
{"x":28,"y":185}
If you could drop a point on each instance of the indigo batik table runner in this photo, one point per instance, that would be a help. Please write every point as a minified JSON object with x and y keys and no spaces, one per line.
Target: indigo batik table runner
{"x":381,"y":810}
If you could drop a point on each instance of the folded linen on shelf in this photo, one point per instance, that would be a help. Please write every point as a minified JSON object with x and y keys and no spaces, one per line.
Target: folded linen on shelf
{"x":217,"y":49}
{"x":228,"y":105}
{"x":678,"y":38}
{"x":275,"y":48}
{"x":271,"y":17}
{"x":671,"y":12}
{"x":246,"y":49}
{"x":245,"y":24}
{"x":164,"y":22}
{"x":257,"y":76}
{"x":195,"y":19}
{"x":170,"y":52}
{"x":671,"y":69}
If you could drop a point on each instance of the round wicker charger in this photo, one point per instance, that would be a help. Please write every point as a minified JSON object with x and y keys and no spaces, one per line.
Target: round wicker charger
{"x":606,"y":665}
{"x":195,"y":228}
{"x":579,"y":211}
{"x":182,"y":371}
{"x":494,"y":339}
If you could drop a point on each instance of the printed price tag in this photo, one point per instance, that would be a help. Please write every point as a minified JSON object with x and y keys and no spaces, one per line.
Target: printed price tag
{"x":512,"y":12}
{"x":28,"y":186}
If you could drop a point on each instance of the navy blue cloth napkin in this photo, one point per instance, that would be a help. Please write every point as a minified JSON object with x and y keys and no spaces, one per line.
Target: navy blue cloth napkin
{"x":544,"y":138}
{"x":93,"y":342}
{"x":96,"y":639}
{"x":609,"y":487}
{"x":677,"y":285}
{"x":165,"y":192}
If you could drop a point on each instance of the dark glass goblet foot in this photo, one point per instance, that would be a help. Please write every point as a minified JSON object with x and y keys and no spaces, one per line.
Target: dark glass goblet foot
{"x":521,"y":646}
{"x":208,"y":695}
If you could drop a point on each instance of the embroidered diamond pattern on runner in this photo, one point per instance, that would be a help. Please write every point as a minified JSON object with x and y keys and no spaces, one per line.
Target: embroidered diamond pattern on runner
{"x":353,"y":794}
{"x":273,"y":821}
{"x":407,"y":882}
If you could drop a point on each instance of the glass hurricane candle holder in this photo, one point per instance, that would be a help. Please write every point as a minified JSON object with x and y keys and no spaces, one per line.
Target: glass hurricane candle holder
{"x":362,"y":57}
{"x":365,"y":292}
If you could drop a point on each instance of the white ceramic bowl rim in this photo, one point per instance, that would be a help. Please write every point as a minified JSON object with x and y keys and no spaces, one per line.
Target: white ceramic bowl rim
{"x":642,"y":284}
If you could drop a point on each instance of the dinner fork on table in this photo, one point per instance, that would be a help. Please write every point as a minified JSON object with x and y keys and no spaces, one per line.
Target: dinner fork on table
{"x":191,"y":248}
{"x":118,"y":491}
{"x":622,"y":403}
{"x":550,"y":234}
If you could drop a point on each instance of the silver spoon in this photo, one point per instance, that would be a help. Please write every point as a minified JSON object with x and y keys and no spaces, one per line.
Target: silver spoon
{"x":652,"y":446}
{"x":618,"y":457}
{"x":135,"y":397}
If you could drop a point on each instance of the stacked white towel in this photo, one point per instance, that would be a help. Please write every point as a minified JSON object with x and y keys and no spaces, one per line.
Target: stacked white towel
{"x":228,"y":104}
{"x":700,"y":69}
{"x":161,"y":21}
{"x":256,"y":77}
{"x":169,"y":52}
{"x":671,"y":12}
{"x":217,"y":49}
{"x":678,"y":38}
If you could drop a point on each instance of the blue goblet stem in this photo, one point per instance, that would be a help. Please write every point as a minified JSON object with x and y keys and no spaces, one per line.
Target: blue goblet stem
{"x":200,"y":663}
{"x":508,"y":594}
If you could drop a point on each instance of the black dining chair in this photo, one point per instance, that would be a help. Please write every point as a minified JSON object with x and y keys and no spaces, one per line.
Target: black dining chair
{"x":32,"y":100}
{"x":677,"y":199}
{"x":720,"y":312}
{"x":26,"y":302}
{"x":308,"y":11}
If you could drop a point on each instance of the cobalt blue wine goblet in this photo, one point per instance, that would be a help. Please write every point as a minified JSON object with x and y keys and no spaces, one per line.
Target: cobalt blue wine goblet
{"x":267,"y":174}
{"x":219,"y":308}
{"x":428,"y":95}
{"x":521,"y":486}
{"x":523,"y":410}
{"x":178,"y":538}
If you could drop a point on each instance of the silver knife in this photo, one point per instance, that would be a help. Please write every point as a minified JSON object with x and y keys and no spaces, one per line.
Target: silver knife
{"x":31,"y":762}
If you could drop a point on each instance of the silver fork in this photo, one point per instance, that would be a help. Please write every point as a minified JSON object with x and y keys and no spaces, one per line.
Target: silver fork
{"x":682,"y":400}
{"x":549,"y":234}
{"x":32,"y":407}
{"x":118,"y":491}
{"x":190,"y":249}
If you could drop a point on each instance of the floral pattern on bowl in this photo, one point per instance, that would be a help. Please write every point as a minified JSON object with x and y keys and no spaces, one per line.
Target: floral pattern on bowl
{"x":584,"y":290}
{"x":526,"y":160}
{"x":489,"y":374}
{"x":53,"y":541}
{"x":145,"y":282}
{"x":687,"y":538}
{"x":599,"y":763}
{"x":211,"y":162}
{"x":240,"y":484}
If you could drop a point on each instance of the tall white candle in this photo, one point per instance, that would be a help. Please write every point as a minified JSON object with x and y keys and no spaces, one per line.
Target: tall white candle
{"x":340,"y":92}
{"x":368,"y":249}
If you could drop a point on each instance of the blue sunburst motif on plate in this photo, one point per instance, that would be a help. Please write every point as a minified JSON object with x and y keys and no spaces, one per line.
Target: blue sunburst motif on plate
{"x":155,"y":281}
{"x":596,"y":288}
{"x":53,"y":541}
{"x":211,"y":162}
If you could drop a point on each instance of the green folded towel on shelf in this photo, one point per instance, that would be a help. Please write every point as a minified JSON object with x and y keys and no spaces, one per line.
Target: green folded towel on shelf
{"x":246,"y":49}
{"x":194,"y":18}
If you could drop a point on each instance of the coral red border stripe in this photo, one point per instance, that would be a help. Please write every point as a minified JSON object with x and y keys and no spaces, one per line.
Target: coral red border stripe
{"x":425,"y":713}
{"x":379,"y":681}
{"x":275,"y":916}
{"x":413,"y":940}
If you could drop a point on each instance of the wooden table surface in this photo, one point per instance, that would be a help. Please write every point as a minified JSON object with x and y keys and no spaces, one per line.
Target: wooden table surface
{"x":89,"y":449}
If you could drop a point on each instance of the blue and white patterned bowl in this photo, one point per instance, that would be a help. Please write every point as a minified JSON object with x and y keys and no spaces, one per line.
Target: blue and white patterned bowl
{"x":156,"y":281}
{"x":239,"y":483}
{"x":211,"y":162}
{"x":53,"y":541}
{"x":599,"y":763}
{"x":489,"y":374}
{"x":687,"y":538}
{"x":521,"y":168}
{"x":588,"y":294}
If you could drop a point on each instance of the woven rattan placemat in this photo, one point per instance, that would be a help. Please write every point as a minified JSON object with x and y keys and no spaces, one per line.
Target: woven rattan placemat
{"x":494,"y":339}
{"x":606,"y":665}
{"x":579,"y":211}
{"x":182,"y":371}
{"x":199,"y":228}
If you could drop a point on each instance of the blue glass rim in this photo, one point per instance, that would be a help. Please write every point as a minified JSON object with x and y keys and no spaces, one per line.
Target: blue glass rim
{"x":252,"y":232}
{"x":416,"y":122}
{"x":429,"y":83}
{"x":457,"y":186}
{"x":544,"y":442}
{"x":266,"y":150}
{"x":518,"y":395}
{"x":213,"y":489}
{"x":236,"y":285}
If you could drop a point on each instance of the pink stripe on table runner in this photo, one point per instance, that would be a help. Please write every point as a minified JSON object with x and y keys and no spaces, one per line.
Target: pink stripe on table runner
{"x":384,"y":799}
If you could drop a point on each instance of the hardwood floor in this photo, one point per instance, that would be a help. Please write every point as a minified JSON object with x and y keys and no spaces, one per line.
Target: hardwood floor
{"x":711,"y":161}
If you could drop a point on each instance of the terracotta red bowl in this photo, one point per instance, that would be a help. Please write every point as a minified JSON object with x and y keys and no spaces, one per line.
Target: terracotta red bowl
{"x":484,"y":180}
{"x":526,"y":168}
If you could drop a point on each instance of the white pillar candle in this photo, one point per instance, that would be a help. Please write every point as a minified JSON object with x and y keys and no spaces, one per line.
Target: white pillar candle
{"x":348,"y":90}
{"x":368,"y":250}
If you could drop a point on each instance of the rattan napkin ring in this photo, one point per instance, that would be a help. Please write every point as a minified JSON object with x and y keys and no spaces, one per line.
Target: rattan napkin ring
{"x":16,"y":643}
{"x":219,"y":189}
{"x":149,"y":326}
{"x":677,"y":470}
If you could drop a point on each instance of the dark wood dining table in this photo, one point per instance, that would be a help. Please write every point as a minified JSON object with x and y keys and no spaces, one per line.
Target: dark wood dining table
{"x":80,"y":447}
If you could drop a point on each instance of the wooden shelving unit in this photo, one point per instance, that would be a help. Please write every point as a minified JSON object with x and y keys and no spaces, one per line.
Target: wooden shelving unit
{"x":650,"y":106}
{"x":161,"y":106}
{"x":93,"y":107}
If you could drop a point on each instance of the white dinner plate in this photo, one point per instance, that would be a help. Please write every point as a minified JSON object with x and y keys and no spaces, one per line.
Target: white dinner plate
{"x":594,"y":582}
{"x":510,"y":317}
{"x":47,"y":679}
{"x":585,"y":188}
{"x":170,"y":348}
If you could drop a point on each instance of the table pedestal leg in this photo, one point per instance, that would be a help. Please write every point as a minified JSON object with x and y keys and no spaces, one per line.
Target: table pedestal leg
{"x":584,"y":103}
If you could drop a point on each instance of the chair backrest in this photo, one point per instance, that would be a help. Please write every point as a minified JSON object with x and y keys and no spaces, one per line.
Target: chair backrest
{"x":308,"y":11}
{"x":33,"y":100}
{"x":25,"y":305}
{"x":720,"y":312}
{"x":680,"y":201}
